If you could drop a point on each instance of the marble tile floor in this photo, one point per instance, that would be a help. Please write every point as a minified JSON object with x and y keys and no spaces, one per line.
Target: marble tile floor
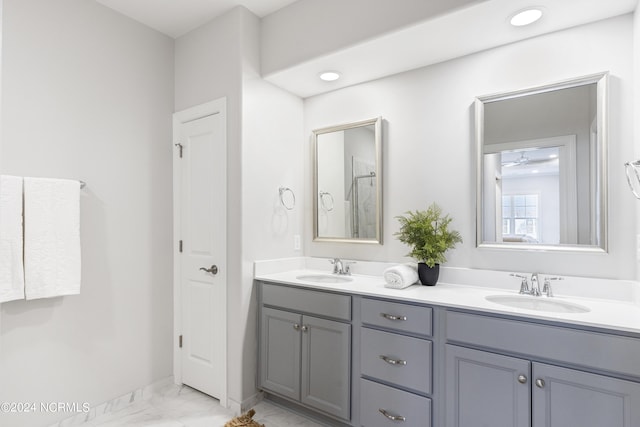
{"x":181,"y":406}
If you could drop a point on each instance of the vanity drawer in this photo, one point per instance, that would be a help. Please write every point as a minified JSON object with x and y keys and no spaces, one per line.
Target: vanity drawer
{"x":324,"y":304}
{"x":397,"y":316}
{"x":375,"y":398}
{"x":408,"y":360}
{"x":594,"y":350}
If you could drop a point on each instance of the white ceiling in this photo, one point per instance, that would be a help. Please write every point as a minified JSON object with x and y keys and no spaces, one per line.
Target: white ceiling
{"x":177,"y":17}
{"x":482,"y":26}
{"x":468,"y":30}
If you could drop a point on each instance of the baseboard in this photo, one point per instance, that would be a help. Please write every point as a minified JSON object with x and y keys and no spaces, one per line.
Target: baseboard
{"x":116,"y":404}
{"x":240,"y":408}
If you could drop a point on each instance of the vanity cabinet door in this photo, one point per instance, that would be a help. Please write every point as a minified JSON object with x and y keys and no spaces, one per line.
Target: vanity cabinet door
{"x":487,"y":390}
{"x":567,"y":397}
{"x":326,"y":373}
{"x":280,"y":352}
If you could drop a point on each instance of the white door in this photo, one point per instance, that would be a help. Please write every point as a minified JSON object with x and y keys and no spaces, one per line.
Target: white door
{"x":200,"y":188}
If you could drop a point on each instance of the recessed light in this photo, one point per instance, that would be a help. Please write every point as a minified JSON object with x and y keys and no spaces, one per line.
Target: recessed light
{"x":526,"y":17}
{"x":329,"y":76}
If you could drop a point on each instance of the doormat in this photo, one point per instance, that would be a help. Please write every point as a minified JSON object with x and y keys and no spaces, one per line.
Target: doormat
{"x":245,"y":420}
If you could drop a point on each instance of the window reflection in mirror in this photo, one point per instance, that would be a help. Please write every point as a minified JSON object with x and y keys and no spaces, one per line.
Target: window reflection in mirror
{"x":542,"y":167}
{"x":347,"y":182}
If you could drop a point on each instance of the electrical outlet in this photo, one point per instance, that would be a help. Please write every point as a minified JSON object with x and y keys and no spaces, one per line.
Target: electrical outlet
{"x":296,"y":242}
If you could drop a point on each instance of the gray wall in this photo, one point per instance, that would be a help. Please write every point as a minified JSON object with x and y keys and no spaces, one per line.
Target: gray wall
{"x":87,"y":94}
{"x":428,"y":142}
{"x":264,"y":130}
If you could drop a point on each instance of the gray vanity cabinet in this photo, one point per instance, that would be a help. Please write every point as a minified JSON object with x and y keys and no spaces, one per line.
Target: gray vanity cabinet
{"x":281,"y":347}
{"x":515,"y":377}
{"x":569,"y":397}
{"x":326,"y":356}
{"x":396,"y":364}
{"x":305,"y":356}
{"x":486,"y":389}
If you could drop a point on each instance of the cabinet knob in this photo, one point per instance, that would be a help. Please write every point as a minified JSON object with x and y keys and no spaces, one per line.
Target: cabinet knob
{"x":296,"y":326}
{"x":522,"y":379}
{"x":305,"y":328}
{"x":392,"y":417}
{"x":540,"y":383}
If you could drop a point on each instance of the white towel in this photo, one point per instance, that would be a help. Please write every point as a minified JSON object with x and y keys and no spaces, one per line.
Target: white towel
{"x":51,"y":237}
{"x":11,"y":266}
{"x":400,"y":276}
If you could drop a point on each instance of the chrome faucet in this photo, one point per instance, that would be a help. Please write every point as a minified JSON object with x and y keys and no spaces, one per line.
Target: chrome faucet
{"x":535,"y":285}
{"x":337,"y":265}
{"x":340,"y":267}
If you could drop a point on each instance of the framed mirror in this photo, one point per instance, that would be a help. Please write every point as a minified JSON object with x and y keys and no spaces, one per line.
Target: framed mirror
{"x":348,"y":183}
{"x":542,"y":167}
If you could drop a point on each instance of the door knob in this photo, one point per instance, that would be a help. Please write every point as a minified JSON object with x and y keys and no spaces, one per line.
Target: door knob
{"x":213,"y":269}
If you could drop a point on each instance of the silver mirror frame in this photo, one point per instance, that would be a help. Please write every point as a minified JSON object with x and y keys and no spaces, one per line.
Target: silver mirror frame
{"x":377,"y":123}
{"x":602,"y":118}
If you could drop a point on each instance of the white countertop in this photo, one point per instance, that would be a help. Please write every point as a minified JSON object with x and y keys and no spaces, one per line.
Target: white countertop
{"x":614,"y":314}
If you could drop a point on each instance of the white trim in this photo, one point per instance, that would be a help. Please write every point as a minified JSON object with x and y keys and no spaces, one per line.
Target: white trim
{"x":248,"y":403}
{"x":218,"y":106}
{"x":117,"y":404}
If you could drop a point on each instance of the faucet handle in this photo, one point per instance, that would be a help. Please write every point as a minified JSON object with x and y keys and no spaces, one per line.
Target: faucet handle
{"x":524,"y":284}
{"x":347,"y":267}
{"x":547,"y":284}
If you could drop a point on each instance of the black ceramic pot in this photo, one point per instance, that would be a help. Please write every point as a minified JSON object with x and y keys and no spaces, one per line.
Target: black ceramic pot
{"x":428,"y":275}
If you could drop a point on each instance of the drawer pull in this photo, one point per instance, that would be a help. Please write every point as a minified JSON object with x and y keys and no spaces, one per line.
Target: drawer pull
{"x":391,"y":361}
{"x":392,"y":317}
{"x":392,"y":417}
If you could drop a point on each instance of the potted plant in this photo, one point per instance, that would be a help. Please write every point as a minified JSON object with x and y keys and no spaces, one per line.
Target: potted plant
{"x":428,"y":233}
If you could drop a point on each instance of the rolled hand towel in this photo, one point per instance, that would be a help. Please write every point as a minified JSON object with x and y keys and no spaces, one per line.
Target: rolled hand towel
{"x":400,"y":276}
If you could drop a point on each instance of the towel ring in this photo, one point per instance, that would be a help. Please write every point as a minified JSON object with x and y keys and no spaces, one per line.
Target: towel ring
{"x":633,"y":165}
{"x":281,"y":192}
{"x":323,"y":201}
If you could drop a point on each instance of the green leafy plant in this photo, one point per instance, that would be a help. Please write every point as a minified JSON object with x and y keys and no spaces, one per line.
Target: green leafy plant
{"x":428,"y":233}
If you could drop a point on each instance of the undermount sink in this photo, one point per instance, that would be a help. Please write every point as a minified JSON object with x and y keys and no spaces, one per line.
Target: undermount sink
{"x":537,"y":303}
{"x":324,"y":278}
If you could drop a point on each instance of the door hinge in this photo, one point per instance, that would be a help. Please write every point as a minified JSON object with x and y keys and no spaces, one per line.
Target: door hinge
{"x":180,"y":246}
{"x":180,"y":146}
{"x":180,"y":341}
